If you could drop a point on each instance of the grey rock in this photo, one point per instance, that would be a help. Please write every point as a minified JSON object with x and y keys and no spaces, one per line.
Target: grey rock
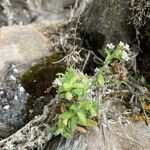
{"x":5,"y":130}
{"x":16,"y":12}
{"x":13,"y":99}
{"x":23,"y":12}
{"x":116,"y":137}
{"x":107,"y":21}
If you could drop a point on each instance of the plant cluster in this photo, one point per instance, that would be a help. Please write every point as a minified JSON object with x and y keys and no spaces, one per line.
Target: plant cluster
{"x":80,"y":93}
{"x":78,"y":111}
{"x":121,"y":52}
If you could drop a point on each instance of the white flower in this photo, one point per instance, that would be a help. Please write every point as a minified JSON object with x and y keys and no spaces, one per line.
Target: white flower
{"x":126,"y":47}
{"x":21,"y":89}
{"x":57,"y":82}
{"x":110,"y":46}
{"x":15,"y":70}
{"x":13,"y":78}
{"x":121,"y":44}
{"x":125,"y":56}
{"x":6,"y":107}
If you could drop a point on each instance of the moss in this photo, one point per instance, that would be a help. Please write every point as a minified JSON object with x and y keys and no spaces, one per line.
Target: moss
{"x":36,"y":81}
{"x":40,"y":76}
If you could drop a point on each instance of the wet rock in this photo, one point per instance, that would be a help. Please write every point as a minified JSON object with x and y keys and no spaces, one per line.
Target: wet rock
{"x":107,"y":21}
{"x":13,"y":98}
{"x":116,"y":137}
{"x":21,"y":44}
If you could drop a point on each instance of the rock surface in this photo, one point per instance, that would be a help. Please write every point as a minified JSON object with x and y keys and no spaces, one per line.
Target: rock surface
{"x":22,"y":44}
{"x":116,"y":137}
{"x":107,"y":21}
{"x":14,"y":12}
{"x":5,"y":130}
{"x":13,"y":99}
{"x":27,"y":11}
{"x":144,"y":64}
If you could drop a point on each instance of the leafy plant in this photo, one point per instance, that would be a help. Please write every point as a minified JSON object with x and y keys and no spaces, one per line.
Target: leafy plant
{"x":79,"y":114}
{"x":78,"y":110}
{"x":74,"y":85}
{"x":121,"y":53}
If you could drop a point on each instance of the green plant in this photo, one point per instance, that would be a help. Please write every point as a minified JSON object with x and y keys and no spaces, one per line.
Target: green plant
{"x":141,"y":79}
{"x":74,"y":85}
{"x":77,"y":109}
{"x":121,"y":53}
{"x":79,"y":114}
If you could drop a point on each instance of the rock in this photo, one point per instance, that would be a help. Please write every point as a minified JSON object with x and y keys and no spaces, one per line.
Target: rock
{"x":22,"y":44}
{"x":23,"y":94}
{"x":15,"y":11}
{"x":27,"y":11}
{"x":50,"y":10}
{"x":144,"y":64}
{"x":107,"y":21}
{"x":5,"y":130}
{"x":49,"y":5}
{"x":116,"y":137}
{"x":3,"y":17}
{"x":13,"y":98}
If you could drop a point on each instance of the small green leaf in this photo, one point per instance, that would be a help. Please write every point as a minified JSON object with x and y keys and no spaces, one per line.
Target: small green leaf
{"x":90,"y":122}
{"x":74,"y":107}
{"x":108,"y":57}
{"x":60,"y":123}
{"x":66,"y":86}
{"x":76,"y":86}
{"x":69,"y":96}
{"x":74,"y":79}
{"x":66,"y":115}
{"x":86,"y":105}
{"x":78,"y":91}
{"x":82,"y":117}
{"x":93,"y":112}
{"x":59,"y":131}
{"x":66,"y":133}
{"x":101,"y":80}
{"x":143,"y":81}
{"x":62,"y":95}
{"x":117,"y":53}
{"x":73,"y":124}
